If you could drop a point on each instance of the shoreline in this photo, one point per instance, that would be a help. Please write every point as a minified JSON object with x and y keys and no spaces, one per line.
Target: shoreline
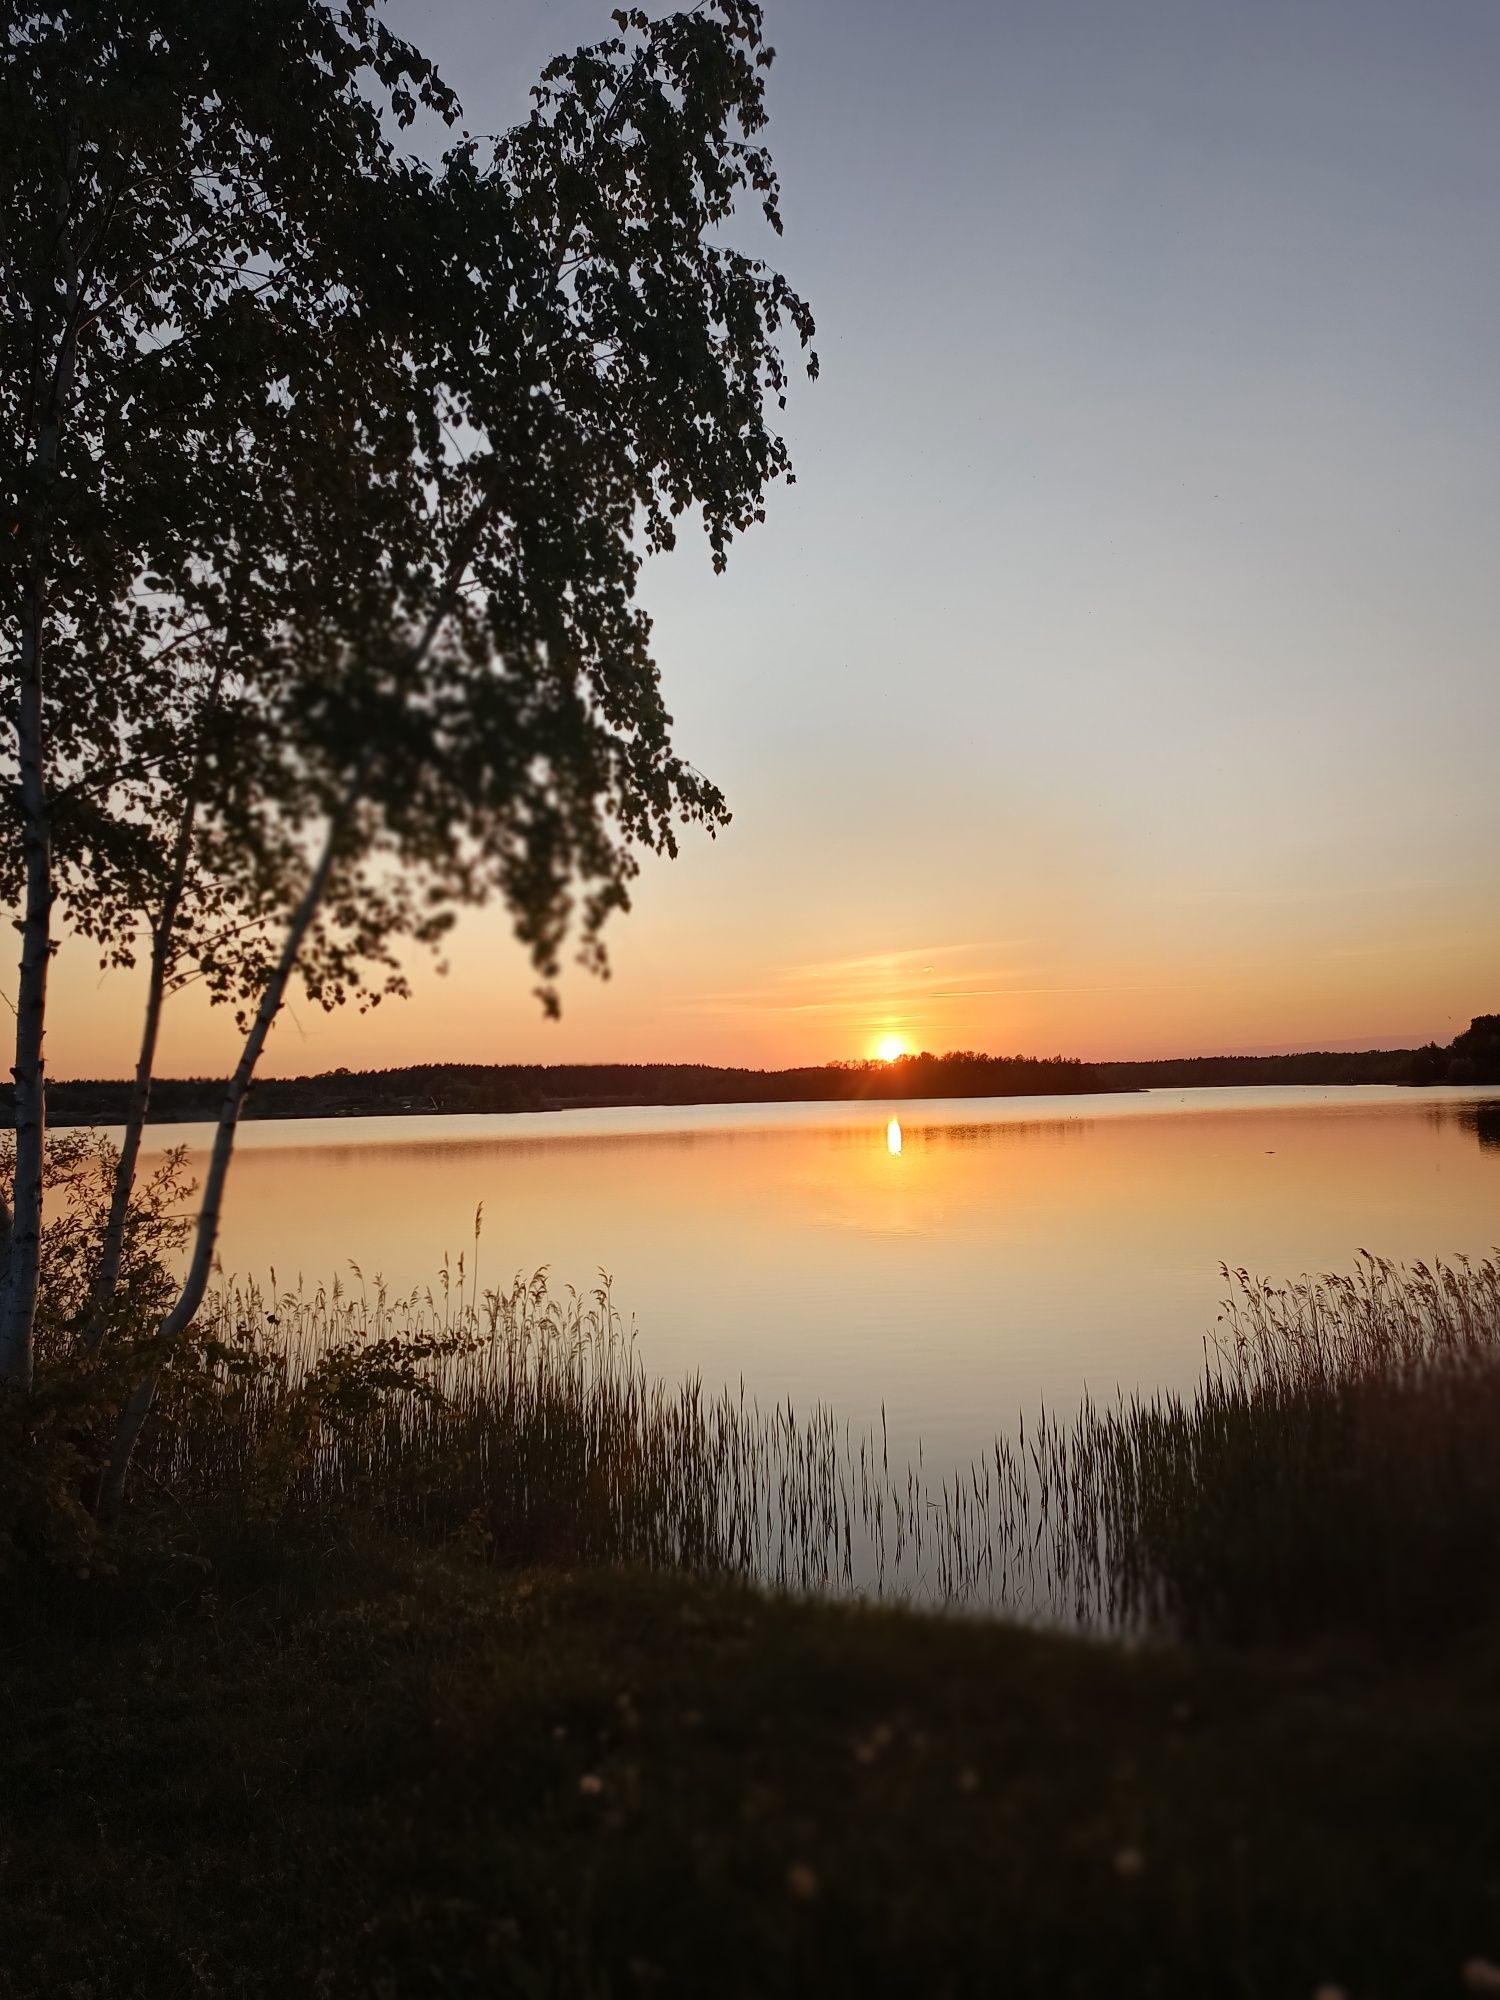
{"x":562,"y":1108}
{"x":445,"y":1089}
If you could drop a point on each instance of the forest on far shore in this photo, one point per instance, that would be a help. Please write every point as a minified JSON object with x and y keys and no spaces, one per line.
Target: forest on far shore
{"x":1472,"y":1057}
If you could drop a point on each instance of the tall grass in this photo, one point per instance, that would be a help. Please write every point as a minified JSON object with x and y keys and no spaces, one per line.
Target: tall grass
{"x":1338,"y":1464}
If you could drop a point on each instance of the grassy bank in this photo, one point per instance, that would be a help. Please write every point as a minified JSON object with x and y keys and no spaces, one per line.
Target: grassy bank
{"x":349,"y":1766}
{"x":429,"y":1661}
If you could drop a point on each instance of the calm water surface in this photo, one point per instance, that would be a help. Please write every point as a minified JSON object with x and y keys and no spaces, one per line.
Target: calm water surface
{"x":954,"y":1261}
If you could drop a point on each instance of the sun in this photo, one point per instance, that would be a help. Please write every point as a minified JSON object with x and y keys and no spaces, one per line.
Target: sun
{"x":890,"y":1048}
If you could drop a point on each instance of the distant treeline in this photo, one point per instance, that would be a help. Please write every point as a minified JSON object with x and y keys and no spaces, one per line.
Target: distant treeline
{"x":1472,"y":1057}
{"x":571,"y":1086}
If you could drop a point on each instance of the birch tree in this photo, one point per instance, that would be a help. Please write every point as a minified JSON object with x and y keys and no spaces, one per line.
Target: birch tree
{"x":478,"y":400}
{"x":192,"y":199}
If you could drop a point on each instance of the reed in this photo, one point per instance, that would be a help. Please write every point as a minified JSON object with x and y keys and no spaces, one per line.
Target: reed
{"x":1336,"y":1464}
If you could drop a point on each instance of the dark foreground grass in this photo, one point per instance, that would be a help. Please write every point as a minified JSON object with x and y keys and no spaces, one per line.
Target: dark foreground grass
{"x":335,"y":1768}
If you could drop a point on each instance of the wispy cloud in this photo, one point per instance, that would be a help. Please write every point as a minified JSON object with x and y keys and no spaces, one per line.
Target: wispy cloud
{"x":875,"y":966}
{"x":894,"y":982}
{"x":884,"y":979}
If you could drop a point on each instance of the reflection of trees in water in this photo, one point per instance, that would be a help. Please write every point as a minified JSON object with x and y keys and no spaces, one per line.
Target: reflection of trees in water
{"x":1481,"y":1120}
{"x":1004,"y":1132}
{"x":1000,"y":1132}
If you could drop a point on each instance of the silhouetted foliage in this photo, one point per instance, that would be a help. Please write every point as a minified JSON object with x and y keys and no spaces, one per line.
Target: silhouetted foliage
{"x":1472,"y":1057}
{"x":333,"y":476}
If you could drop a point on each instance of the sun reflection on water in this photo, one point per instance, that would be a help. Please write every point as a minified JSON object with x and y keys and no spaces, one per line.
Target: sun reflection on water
{"x":893,"y":1136}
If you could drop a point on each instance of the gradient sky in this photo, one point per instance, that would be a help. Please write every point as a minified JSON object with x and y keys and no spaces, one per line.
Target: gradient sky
{"x":1120,"y":675}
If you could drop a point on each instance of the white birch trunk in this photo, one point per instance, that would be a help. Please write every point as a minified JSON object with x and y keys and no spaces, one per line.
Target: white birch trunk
{"x":23,"y":1270}
{"x":206,"y":1236}
{"x":138,"y":1405}
{"x":112,"y":1250}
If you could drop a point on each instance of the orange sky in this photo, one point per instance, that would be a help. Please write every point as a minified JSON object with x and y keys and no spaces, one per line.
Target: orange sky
{"x":694,"y":983}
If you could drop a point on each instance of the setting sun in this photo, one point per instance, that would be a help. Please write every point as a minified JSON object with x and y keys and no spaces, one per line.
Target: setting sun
{"x":890,"y":1048}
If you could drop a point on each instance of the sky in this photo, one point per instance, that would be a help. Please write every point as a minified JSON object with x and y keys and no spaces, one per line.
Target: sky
{"x":1119,"y":676}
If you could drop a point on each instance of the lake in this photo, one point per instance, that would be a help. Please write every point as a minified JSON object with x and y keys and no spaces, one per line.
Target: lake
{"x":953,"y":1262}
